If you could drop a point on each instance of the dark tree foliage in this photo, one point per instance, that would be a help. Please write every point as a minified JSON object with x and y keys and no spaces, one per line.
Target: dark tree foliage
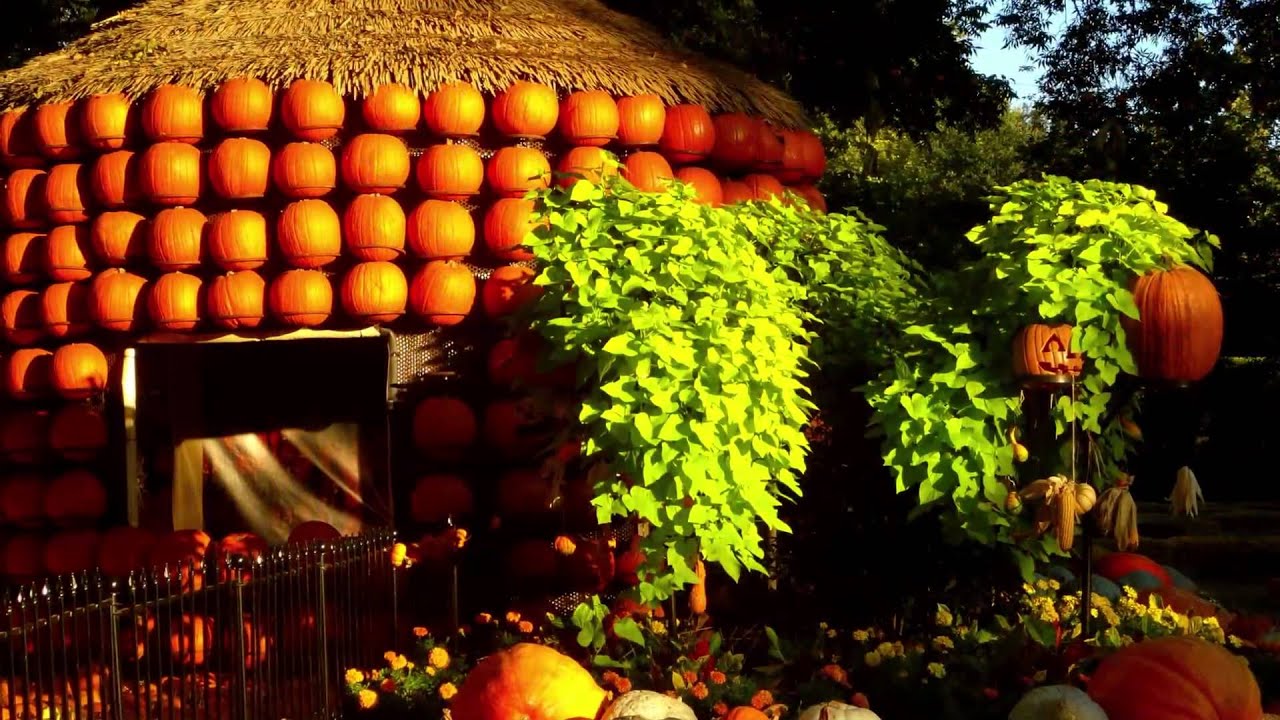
{"x":32,"y":27}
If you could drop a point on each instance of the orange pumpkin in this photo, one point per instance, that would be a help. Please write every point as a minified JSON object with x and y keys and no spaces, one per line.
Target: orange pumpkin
{"x":792,"y":168}
{"x":745,"y":712}
{"x":1045,"y":351}
{"x":66,"y":194}
{"x":174,"y":113}
{"x":450,"y":172}
{"x":18,"y":140}
{"x":523,"y":491}
{"x":174,"y":302}
{"x":439,"y":497}
{"x":23,"y":317}
{"x":75,"y":497}
{"x":23,"y":259}
{"x":78,"y":432}
{"x":108,"y":121}
{"x":176,"y":240}
{"x":589,"y":117}
{"x":526,"y":110}
{"x":374,"y":292}
{"x":1175,"y":678}
{"x":706,"y":186}
{"x":70,"y":551}
{"x":392,"y":108}
{"x":57,"y":131}
{"x":514,"y":362}
{"x":585,"y":163}
{"x":24,"y":199}
{"x":641,"y":119}
{"x":236,"y":301}
{"x":374,"y":228}
{"x":1178,"y":335}
{"x":813,"y":157}
{"x":516,"y":171}
{"x":24,"y":436}
{"x":811,"y":197}
{"x":124,"y":549}
{"x":115,"y":300}
{"x":119,"y":238}
{"x":242,"y":105}
{"x":528,"y":681}
{"x":648,"y":171}
{"x":736,"y":142}
{"x":313,"y":531}
{"x":688,"y":135}
{"x":113,"y":180}
{"x":763,"y":187}
{"x":65,"y":307}
{"x":79,"y":371}
{"x":444,"y":428}
{"x":312,"y":110}
{"x":769,"y":149}
{"x":304,"y":170}
{"x":238,"y":240}
{"x":27,"y":373}
{"x":508,"y":289}
{"x":454,"y":110}
{"x":441,"y":230}
{"x":510,"y":429}
{"x":301,"y":298}
{"x":171,"y":174}
{"x":506,"y":225}
{"x":442,"y":292}
{"x":184,"y":551}
{"x":532,"y":561}
{"x":240,"y":169}
{"x":309,"y":233}
{"x":67,"y":250}
{"x":373,"y":163}
{"x":24,"y":557}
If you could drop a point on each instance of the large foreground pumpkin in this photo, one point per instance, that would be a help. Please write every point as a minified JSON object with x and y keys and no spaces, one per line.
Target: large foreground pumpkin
{"x":530,"y":682}
{"x":1176,"y":678}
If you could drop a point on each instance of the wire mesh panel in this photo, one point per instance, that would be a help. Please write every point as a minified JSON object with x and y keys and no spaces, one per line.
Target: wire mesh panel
{"x":236,"y":637}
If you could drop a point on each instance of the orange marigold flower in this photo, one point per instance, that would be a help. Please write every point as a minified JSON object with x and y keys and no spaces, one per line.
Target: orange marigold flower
{"x":717,"y":677}
{"x":399,"y":663}
{"x":366,"y":699}
{"x":762,"y":699}
{"x":389,"y":656}
{"x":387,"y":686}
{"x":671,"y":694}
{"x":623,"y":685}
{"x":399,"y":552}
{"x":690,"y":677}
{"x":720,"y":709}
{"x":484,"y":619}
{"x":835,"y":673}
{"x":420,"y":632}
{"x":609,"y":677}
{"x":860,"y":700}
{"x":447,"y":691}
{"x":513,"y":617}
{"x":565,"y":545}
{"x":525,"y":626}
{"x":699,"y":691}
{"x":438,"y":658}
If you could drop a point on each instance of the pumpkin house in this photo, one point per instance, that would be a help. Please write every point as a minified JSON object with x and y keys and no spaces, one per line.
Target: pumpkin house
{"x":259,"y":259}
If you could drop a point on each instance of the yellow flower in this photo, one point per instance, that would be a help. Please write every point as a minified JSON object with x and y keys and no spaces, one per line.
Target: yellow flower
{"x":861,"y":636}
{"x":872,"y":659}
{"x":367,"y":699}
{"x":399,"y":662}
{"x":438,"y":658}
{"x":409,"y":666}
{"x":943,"y":617}
{"x":354,"y":676}
{"x":447,"y":691}
{"x":943,"y":643}
{"x":831,"y":632}
{"x":936,"y":669}
{"x":1235,"y":641}
{"x":823,"y":625}
{"x":430,"y":671}
{"x":1040,"y":676}
{"x":1130,"y":592}
{"x":885,"y":649}
{"x":658,"y":627}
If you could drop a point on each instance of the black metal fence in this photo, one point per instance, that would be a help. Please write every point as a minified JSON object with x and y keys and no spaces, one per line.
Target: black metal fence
{"x":242,"y":638}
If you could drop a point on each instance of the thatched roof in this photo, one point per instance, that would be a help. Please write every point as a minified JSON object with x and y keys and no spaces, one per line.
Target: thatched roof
{"x":359,"y":44}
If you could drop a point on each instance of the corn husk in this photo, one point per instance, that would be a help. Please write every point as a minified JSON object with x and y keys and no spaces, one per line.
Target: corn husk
{"x":1057,"y":508}
{"x":1064,"y":510}
{"x":1187,"y":496}
{"x":1118,"y":514}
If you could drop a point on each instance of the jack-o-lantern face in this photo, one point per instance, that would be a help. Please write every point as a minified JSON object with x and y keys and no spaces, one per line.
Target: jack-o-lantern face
{"x":1045,"y":351}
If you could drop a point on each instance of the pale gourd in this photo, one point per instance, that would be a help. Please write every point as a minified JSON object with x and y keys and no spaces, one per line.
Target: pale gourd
{"x":1057,"y":702}
{"x":648,"y":705}
{"x":837,"y":711}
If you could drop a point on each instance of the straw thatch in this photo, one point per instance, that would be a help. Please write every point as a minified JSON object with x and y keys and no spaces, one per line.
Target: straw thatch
{"x":359,"y":44}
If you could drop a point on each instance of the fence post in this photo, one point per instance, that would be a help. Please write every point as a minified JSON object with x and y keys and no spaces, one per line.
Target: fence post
{"x":242,"y":675}
{"x":322,"y":625}
{"x":113,"y":649}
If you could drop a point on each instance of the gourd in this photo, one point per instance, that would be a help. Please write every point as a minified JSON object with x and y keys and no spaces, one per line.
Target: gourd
{"x":1176,"y":678}
{"x":837,"y":711}
{"x":647,"y":705}
{"x":528,"y":681}
{"x":1057,"y":702}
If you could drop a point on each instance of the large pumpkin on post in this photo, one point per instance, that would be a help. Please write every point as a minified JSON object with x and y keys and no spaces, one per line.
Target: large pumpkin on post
{"x":174,"y":113}
{"x":174,"y":301}
{"x":242,"y":105}
{"x":648,"y":171}
{"x":301,"y":298}
{"x":515,"y":171}
{"x":689,"y":134}
{"x":115,"y":300}
{"x":236,"y":300}
{"x":528,"y":681}
{"x":1178,"y":335}
{"x":375,"y":163}
{"x":441,"y":230}
{"x":454,"y":110}
{"x":57,"y":131}
{"x":67,"y":194}
{"x":304,"y":170}
{"x":374,"y":227}
{"x":392,"y":108}
{"x":1044,"y":352}
{"x":1176,"y":678}
{"x":67,"y":250}
{"x":312,"y":110}
{"x":79,"y":371}
{"x":119,"y":239}
{"x":240,"y":169}
{"x":444,"y":428}
{"x":238,"y":240}
{"x":66,"y":309}
{"x":309,"y":233}
{"x":526,"y":110}
{"x":450,"y":172}
{"x":375,"y":292}
{"x":641,"y":119}
{"x":113,"y":180}
{"x":442,"y":292}
{"x":508,"y":289}
{"x":589,"y":117}
{"x":506,"y":225}
{"x":177,"y":239}
{"x":24,"y":199}
{"x":171,"y":174}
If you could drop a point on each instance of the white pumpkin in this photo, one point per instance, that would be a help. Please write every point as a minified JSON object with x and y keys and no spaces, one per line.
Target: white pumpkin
{"x":1057,"y":702}
{"x":647,"y":705}
{"x":837,"y":711}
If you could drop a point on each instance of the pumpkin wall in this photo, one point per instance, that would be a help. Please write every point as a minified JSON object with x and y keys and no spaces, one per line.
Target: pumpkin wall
{"x":252,"y":210}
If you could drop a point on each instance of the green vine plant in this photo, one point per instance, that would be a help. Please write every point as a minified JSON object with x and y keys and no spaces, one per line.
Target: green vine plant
{"x":1055,"y":251}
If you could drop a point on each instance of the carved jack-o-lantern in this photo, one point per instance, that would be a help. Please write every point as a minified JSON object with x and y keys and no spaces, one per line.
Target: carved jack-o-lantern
{"x":1044,"y":351}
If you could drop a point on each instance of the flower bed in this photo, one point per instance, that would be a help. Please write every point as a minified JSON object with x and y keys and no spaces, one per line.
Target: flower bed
{"x":971,"y":664}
